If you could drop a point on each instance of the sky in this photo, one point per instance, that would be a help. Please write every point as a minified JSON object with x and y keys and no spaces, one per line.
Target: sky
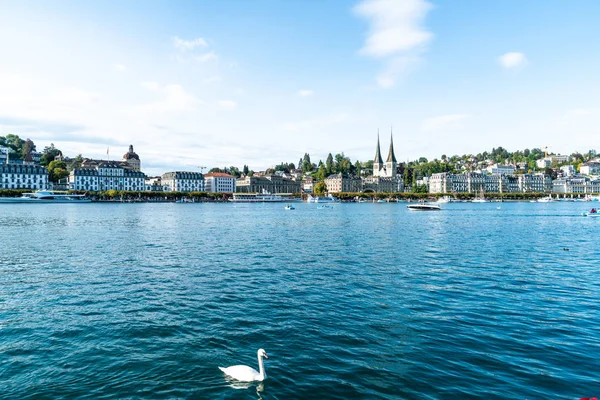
{"x":194,"y":84}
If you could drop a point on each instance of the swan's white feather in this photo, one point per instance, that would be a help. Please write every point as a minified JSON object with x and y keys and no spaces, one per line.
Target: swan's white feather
{"x":243,"y":373}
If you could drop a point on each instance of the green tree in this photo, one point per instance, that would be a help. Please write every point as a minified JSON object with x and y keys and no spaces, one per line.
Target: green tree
{"x":27,"y":148}
{"x":320,"y":188}
{"x":321,"y":173}
{"x":49,"y":154}
{"x":57,"y":170}
{"x":245,"y":170}
{"x":329,"y":166}
{"x":357,"y":167}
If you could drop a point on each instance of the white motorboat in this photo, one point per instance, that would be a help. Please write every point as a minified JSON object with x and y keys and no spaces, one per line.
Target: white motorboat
{"x":326,"y":199}
{"x":444,"y":199}
{"x":290,"y":207}
{"x":46,"y":196}
{"x":423,"y":207}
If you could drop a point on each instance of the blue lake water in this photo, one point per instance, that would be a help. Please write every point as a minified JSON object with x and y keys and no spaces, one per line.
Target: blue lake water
{"x":106,"y":301}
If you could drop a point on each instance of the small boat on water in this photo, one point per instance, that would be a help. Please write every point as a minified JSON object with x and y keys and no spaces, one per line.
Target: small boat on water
{"x":423,"y":207}
{"x":592,"y":213}
{"x":47,"y":196}
{"x":289,"y":207}
{"x":326,"y":199}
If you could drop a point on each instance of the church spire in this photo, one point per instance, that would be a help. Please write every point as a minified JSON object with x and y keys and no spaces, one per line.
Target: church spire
{"x":391,"y":156}
{"x":378,"y":159}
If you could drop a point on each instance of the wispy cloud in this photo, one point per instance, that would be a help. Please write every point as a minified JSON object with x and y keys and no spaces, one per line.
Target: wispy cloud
{"x":395,"y":34}
{"x":305,"y":92}
{"x":451,"y":122}
{"x":185,"y":45}
{"x":174,"y":99}
{"x":513,"y":60}
{"x":206,"y":57}
{"x":119,"y":68}
{"x":227,"y":104}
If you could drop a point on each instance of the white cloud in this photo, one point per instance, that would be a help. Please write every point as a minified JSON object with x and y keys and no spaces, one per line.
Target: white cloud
{"x":185,"y":45}
{"x":174,"y":99}
{"x":227,"y":104}
{"x":119,"y":68}
{"x":396,"y":31}
{"x":206,"y":57}
{"x":451,"y":122}
{"x":305,"y":93}
{"x":153,"y":86}
{"x":395,"y":69}
{"x":513,"y":60}
{"x":395,"y":25}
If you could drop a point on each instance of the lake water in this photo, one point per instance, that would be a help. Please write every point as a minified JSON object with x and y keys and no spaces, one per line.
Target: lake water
{"x":370,"y":301}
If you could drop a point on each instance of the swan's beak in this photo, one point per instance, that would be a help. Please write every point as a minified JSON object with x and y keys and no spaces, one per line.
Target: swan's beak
{"x":265,"y":355}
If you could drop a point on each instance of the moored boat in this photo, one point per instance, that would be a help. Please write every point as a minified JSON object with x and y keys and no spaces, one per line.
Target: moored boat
{"x":46,"y":196}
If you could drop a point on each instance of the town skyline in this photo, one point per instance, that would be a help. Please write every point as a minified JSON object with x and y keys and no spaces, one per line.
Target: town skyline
{"x":255,"y":81}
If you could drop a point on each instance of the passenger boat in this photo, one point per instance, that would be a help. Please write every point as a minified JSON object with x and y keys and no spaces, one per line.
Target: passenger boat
{"x":257,"y":198}
{"x":46,"y":196}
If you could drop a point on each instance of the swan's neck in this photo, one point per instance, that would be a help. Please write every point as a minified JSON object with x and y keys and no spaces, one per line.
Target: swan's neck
{"x":261,"y":367}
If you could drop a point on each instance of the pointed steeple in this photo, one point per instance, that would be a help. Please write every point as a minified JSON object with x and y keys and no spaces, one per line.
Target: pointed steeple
{"x":391,"y":156}
{"x":378,"y":159}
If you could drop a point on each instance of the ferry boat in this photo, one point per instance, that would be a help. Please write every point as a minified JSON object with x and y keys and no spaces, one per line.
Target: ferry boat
{"x":257,"y":198}
{"x":46,"y":196}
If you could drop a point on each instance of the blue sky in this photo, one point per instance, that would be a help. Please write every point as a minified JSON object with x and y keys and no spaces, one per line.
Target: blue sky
{"x":192,"y":83}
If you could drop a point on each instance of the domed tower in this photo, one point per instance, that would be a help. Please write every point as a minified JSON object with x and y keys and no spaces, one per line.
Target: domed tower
{"x":132,"y":159}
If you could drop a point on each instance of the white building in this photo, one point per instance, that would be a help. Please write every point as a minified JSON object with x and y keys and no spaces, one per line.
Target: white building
{"x":15,"y":176}
{"x":475,"y":183}
{"x":219,"y":182}
{"x":183,"y":181}
{"x":154,"y":184}
{"x":590,"y":168}
{"x":576,"y":185}
{"x":543,"y":163}
{"x":107,"y":176}
{"x":4,"y":152}
{"x":568,"y":170}
{"x":498,"y":169}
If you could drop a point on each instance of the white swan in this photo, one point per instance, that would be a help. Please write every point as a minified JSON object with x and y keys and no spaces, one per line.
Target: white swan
{"x":244,"y":373}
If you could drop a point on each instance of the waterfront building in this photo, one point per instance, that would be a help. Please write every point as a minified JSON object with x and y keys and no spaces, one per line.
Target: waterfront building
{"x":154,"y":184}
{"x":106,"y":176}
{"x":445,"y":182}
{"x":337,"y":183}
{"x":4,"y":152}
{"x":307,"y":184}
{"x":183,"y":181}
{"x":18,"y":176}
{"x":590,"y":168}
{"x":535,"y":183}
{"x":219,"y":182}
{"x":132,"y":159}
{"x":576,"y":185}
{"x":268,"y":183}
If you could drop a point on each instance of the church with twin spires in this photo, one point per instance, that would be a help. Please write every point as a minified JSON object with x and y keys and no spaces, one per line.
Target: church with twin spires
{"x":385,"y":176}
